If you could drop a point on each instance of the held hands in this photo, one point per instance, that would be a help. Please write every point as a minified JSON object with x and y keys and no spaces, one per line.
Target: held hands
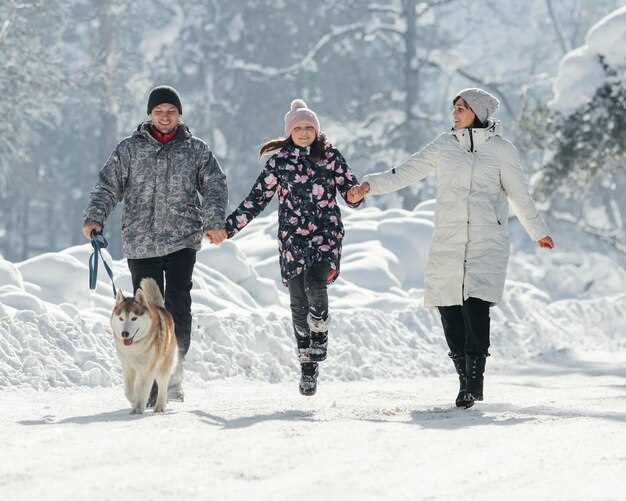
{"x":216,"y":236}
{"x":358,"y":193}
{"x":546,"y":242}
{"x":88,"y":228}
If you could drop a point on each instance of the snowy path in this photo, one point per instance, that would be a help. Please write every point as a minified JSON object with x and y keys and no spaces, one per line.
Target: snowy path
{"x":551,"y":431}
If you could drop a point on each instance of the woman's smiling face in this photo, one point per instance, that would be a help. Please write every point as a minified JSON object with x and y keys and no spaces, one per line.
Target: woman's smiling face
{"x":462,"y":115}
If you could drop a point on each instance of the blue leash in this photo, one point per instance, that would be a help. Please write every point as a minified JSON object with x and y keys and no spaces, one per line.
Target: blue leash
{"x":98,"y":242}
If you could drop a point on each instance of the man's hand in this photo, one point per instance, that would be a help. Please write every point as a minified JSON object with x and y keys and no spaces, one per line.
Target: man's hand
{"x":88,"y":228}
{"x":216,"y":236}
{"x":546,"y":242}
{"x":358,"y":193}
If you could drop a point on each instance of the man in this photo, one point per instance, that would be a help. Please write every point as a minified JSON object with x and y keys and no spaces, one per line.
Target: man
{"x":174,"y":192}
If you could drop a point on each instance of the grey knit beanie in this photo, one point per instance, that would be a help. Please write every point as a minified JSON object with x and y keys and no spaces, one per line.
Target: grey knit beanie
{"x":483,"y":104}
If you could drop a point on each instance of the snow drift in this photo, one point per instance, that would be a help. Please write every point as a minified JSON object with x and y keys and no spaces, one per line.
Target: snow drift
{"x":54,"y":332}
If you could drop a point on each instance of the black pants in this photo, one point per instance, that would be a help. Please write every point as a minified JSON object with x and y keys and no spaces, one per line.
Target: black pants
{"x":308,"y":294}
{"x":467,"y":327}
{"x":177,"y":269}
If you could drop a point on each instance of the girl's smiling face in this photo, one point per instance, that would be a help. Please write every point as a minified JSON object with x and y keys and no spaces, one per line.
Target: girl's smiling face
{"x":303,"y":134}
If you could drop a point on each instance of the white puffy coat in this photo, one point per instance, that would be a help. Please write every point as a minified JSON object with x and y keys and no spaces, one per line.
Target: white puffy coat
{"x":477,"y":173}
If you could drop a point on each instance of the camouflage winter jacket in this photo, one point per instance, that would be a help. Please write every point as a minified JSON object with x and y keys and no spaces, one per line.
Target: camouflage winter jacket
{"x":172,"y":193}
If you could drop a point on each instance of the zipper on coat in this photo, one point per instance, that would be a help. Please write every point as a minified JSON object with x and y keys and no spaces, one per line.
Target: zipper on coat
{"x":467,"y":227}
{"x":471,"y":136}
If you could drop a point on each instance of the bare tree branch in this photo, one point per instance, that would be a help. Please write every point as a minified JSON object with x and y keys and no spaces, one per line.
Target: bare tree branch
{"x":614,"y":238}
{"x":335,"y":33}
{"x":305,"y":60}
{"x":557,"y":28}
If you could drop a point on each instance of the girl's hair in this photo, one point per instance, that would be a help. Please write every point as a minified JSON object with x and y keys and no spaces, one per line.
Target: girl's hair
{"x":318,"y":146}
{"x":476,"y":124}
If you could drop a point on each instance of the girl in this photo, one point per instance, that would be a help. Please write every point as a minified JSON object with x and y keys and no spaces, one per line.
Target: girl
{"x":306,"y":172}
{"x":477,"y":171}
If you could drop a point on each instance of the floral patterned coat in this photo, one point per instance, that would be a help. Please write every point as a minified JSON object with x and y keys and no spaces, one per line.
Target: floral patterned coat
{"x":310,"y":230}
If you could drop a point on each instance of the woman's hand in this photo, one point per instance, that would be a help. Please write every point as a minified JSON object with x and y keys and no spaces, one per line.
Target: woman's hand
{"x":217,"y":236}
{"x":546,"y":242}
{"x":358,"y":193}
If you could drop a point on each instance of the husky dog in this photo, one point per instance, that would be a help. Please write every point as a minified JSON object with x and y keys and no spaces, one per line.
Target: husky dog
{"x":146,"y":344}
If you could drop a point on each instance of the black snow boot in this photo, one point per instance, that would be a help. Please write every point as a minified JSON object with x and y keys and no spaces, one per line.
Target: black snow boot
{"x":475,"y":367}
{"x":319,"y":336}
{"x":308,"y":379}
{"x":459,"y":365}
{"x":319,"y":346}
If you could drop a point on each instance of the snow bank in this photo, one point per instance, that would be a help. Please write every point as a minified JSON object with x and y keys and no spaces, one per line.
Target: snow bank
{"x":54,"y":332}
{"x":608,"y":37}
{"x":581,"y":72}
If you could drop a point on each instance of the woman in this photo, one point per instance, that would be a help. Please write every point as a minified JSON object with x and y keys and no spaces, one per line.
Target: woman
{"x":306,"y":172}
{"x":477,"y":172}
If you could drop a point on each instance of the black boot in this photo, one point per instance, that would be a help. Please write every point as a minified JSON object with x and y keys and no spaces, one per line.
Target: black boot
{"x":308,"y":379}
{"x":319,"y":346}
{"x":318,"y":325}
{"x":475,"y":367}
{"x":459,"y":365}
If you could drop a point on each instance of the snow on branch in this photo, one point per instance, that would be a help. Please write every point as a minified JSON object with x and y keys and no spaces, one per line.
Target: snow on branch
{"x":384,"y":9}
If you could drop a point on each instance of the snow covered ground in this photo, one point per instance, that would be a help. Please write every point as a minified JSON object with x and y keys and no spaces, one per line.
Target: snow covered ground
{"x":381,"y":425}
{"x":548,"y":431}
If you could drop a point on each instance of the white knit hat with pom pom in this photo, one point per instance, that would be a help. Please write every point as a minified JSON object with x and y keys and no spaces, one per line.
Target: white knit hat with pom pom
{"x":300,"y":113}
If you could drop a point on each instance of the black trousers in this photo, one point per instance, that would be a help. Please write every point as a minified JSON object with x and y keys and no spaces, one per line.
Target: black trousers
{"x":467,"y":327}
{"x":173,"y":274}
{"x":308,"y":294}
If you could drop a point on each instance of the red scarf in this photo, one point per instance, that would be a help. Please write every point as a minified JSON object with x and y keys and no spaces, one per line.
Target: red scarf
{"x":162,"y":137}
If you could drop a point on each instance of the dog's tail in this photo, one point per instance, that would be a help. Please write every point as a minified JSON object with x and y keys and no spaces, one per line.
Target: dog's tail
{"x":151,"y":292}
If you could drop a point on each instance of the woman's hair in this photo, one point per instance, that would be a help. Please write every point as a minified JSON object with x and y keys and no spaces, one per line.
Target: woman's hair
{"x":318,"y":146}
{"x":476,"y":124}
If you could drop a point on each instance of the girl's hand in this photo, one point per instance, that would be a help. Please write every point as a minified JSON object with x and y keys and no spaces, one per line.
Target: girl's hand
{"x":216,"y":236}
{"x":546,"y":242}
{"x":358,"y":193}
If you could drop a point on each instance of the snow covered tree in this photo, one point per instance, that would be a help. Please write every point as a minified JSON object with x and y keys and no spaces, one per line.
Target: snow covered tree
{"x":585,"y":171}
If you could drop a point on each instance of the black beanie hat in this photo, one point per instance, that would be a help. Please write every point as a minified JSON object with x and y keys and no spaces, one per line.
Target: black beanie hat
{"x":164,"y":94}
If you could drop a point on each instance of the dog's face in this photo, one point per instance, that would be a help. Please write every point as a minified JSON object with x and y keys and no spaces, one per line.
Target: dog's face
{"x":130,"y":319}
